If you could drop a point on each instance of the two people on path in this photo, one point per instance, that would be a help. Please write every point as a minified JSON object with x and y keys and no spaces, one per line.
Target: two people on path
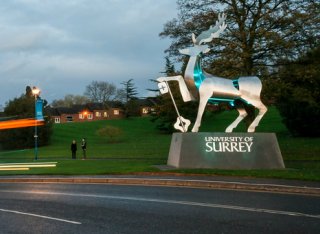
{"x":74,"y":148}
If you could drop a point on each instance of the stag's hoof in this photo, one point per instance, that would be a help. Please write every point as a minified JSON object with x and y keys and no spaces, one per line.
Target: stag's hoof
{"x":251,"y":129}
{"x":195,"y":129}
{"x":229,"y":129}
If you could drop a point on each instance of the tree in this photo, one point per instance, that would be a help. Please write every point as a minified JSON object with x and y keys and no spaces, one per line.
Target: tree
{"x":258,"y":33}
{"x":130,"y":95}
{"x":101,"y":91}
{"x":169,"y":71}
{"x":70,"y":100}
{"x":169,"y":67}
{"x":130,"y":91}
{"x":298,"y":95}
{"x":20,"y":138}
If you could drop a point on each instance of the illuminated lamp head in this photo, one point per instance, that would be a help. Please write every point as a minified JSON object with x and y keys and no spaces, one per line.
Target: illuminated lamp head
{"x":35,"y":91}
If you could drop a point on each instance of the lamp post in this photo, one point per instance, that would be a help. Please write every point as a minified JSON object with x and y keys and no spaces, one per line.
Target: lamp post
{"x":36,"y":93}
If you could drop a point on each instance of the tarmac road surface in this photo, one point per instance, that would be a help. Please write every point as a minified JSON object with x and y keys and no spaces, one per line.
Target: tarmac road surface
{"x":105,"y":208}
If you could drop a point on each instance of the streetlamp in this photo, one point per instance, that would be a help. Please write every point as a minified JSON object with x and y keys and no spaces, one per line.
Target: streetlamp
{"x":36,"y":93}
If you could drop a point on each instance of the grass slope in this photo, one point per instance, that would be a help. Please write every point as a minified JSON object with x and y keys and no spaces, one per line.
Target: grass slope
{"x":140,"y":139}
{"x":142,"y":146}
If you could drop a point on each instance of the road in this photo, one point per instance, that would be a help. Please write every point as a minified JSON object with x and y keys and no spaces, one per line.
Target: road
{"x":102,"y":208}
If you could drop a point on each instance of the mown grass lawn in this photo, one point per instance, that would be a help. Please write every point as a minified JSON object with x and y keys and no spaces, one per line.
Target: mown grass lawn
{"x":141,"y":146}
{"x":139,"y":139}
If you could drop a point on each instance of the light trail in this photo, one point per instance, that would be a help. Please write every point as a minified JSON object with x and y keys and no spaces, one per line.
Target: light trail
{"x":24,"y":166}
{"x":27,"y":165}
{"x":15,"y":169}
{"x":20,"y":123}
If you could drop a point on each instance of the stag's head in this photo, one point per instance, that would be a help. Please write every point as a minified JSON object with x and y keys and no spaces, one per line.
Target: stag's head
{"x":205,"y":36}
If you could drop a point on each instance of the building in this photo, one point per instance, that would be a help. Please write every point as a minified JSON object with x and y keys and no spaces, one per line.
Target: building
{"x":88,"y":112}
{"x":147,"y":106}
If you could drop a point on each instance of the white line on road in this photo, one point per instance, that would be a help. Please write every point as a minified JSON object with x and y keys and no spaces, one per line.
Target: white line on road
{"x":200,"y":204}
{"x":39,"y":216}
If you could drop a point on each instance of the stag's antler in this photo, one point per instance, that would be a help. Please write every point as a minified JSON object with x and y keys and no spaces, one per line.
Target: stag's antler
{"x":212,"y":32}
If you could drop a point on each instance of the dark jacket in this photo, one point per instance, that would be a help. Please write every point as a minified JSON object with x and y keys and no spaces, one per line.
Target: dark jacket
{"x":73,"y":147}
{"x":84,"y":145}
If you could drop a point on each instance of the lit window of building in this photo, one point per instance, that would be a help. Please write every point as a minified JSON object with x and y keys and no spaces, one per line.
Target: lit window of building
{"x":116,"y":112}
{"x":145,"y":110}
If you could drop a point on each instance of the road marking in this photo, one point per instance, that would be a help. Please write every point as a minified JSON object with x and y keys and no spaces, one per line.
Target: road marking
{"x":200,"y":204}
{"x":39,"y":216}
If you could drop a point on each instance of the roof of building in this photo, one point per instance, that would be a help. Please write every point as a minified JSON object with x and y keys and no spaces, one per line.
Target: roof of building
{"x":76,"y":109}
{"x":150,"y":101}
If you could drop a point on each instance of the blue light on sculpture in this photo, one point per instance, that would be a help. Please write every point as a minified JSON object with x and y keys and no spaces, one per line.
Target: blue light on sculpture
{"x":198,"y":74}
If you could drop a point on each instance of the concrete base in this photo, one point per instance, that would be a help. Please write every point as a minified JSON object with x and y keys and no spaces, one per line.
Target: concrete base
{"x":225,"y":151}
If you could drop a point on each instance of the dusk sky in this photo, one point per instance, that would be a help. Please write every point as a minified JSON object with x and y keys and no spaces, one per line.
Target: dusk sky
{"x":61,"y":46}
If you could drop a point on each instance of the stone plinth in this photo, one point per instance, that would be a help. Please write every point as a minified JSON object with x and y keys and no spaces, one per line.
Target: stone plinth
{"x":225,"y":151}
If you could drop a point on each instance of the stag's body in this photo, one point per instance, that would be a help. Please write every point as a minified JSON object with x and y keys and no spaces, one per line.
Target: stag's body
{"x":209,"y":88}
{"x":216,"y":89}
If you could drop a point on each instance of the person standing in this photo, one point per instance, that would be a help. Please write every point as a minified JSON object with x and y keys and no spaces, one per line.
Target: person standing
{"x":74,"y":149}
{"x":84,"y":148}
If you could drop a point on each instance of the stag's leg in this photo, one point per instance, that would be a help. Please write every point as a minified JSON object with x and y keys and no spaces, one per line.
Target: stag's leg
{"x":186,"y":95}
{"x":250,"y":87}
{"x":204,"y":96}
{"x":242,"y":115}
{"x":262,"y":110}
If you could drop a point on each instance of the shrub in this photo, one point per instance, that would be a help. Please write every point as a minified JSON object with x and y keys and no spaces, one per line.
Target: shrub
{"x":112,"y":134}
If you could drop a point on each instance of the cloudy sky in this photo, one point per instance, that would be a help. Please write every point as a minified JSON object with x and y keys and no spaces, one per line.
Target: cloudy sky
{"x":62,"y":45}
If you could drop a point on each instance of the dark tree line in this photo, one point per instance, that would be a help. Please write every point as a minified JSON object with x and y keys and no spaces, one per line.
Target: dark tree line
{"x":298,"y":95}
{"x":100,"y":92}
{"x":259,"y":33}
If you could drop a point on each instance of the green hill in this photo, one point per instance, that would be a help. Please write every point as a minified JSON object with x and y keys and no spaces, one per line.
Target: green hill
{"x":141,"y":145}
{"x":140,"y":138}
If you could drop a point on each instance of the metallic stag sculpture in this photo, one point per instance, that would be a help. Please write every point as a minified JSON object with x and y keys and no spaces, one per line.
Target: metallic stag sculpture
{"x":196,"y":83}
